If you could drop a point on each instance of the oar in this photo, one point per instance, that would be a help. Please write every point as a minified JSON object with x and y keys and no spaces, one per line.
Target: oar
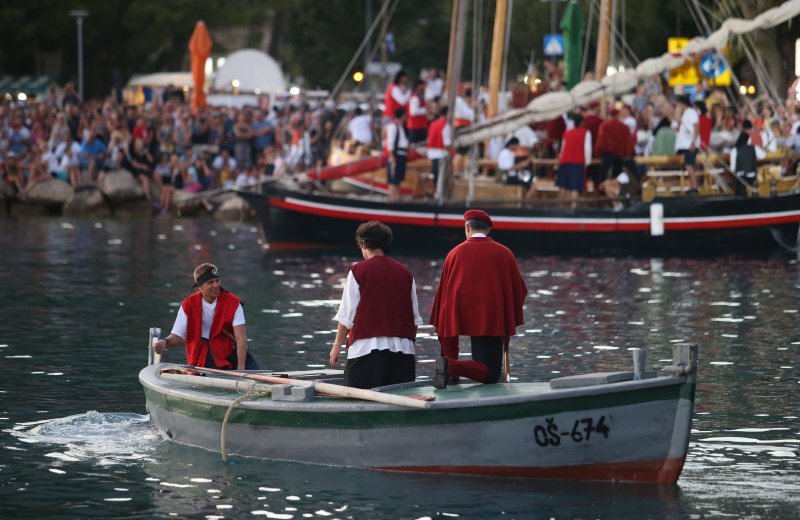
{"x":506,"y":362}
{"x":328,"y":388}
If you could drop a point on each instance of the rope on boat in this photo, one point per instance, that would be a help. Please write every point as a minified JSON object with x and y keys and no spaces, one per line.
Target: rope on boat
{"x":249,"y":394}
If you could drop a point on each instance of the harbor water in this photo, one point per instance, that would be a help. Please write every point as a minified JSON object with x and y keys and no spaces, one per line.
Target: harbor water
{"x":80,"y":295}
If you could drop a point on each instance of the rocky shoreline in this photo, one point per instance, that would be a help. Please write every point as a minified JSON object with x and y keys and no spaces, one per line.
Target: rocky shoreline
{"x":117,"y":194}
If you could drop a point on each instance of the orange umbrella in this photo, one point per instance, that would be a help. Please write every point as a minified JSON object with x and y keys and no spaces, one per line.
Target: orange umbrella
{"x":199,"y":47}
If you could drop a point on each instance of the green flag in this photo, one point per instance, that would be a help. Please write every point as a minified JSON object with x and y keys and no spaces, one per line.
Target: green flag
{"x":573,"y":27}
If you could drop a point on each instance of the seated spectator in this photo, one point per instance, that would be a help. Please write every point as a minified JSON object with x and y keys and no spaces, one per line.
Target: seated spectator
{"x":140,"y":162}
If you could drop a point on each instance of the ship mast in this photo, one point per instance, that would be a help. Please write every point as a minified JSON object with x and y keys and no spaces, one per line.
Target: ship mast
{"x":454,"y":59}
{"x":603,"y":39}
{"x":498,"y":52}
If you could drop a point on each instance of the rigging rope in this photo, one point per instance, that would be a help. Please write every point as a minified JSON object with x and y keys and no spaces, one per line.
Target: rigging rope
{"x":592,"y":14}
{"x":361,"y":47}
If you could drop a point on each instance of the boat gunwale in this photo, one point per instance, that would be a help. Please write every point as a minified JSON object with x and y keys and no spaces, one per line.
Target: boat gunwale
{"x":169,"y":389}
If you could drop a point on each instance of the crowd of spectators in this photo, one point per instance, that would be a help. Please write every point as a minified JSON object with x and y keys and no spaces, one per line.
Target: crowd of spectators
{"x":166,"y":143}
{"x":163,"y":142}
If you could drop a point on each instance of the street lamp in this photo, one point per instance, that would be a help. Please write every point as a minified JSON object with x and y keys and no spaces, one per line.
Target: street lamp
{"x":79,"y":15}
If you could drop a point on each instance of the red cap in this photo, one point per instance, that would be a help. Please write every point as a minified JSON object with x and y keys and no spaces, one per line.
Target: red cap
{"x":477,"y":214}
{"x":613,"y":112}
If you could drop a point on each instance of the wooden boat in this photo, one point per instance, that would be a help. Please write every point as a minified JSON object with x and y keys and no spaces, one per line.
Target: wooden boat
{"x":602,"y":426}
{"x":666,"y":224}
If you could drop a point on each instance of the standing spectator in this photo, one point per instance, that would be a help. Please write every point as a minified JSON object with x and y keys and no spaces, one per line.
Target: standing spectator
{"x":396,"y":146}
{"x":243,"y":137}
{"x":417,"y":115}
{"x":688,"y":138}
{"x":576,"y":154}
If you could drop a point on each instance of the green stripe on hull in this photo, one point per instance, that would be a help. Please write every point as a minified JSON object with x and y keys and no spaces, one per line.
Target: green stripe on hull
{"x":407,"y":418}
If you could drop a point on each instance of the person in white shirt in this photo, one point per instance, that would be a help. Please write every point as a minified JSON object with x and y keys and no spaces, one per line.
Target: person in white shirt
{"x":688,"y":139}
{"x":220,"y":340}
{"x":379,"y":315}
{"x":359,"y":128}
{"x":396,"y":146}
{"x":434,"y":86}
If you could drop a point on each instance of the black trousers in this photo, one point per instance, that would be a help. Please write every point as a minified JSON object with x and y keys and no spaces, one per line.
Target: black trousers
{"x":488,"y":350}
{"x":251,"y":363}
{"x":380,"y":368}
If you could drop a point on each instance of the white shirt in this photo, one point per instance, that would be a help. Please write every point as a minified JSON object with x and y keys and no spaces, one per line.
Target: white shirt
{"x":526,"y":136}
{"x":687,"y":130}
{"x":62,"y":148}
{"x":181,"y":320}
{"x":416,"y":107}
{"x":391,"y":136}
{"x":505,"y":160}
{"x":433,"y":88}
{"x":351,"y":296}
{"x":360,"y":128}
{"x":463,"y":110}
{"x":400,"y":96}
{"x":219,"y":164}
{"x":760,"y":155}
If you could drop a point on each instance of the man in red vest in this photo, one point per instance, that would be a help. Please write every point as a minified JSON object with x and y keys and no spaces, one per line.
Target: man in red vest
{"x":417,"y":115}
{"x":378,"y":316}
{"x":480,"y":294}
{"x":211,"y":321}
{"x":397,"y":95}
{"x":576,"y":154}
{"x":439,"y":142}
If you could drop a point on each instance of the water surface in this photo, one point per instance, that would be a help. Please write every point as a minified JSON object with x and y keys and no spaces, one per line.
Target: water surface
{"x":80,"y":295}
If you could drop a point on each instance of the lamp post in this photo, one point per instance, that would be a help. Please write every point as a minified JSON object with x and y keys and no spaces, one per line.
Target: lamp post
{"x":79,"y":15}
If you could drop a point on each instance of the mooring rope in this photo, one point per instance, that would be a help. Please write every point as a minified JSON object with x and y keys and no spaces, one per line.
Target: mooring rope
{"x":249,"y":394}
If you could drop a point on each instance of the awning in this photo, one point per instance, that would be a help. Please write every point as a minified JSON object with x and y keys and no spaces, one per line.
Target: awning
{"x":26,"y":84}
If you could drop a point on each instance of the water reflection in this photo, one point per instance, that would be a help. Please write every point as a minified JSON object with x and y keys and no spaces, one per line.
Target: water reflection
{"x":82,"y":293}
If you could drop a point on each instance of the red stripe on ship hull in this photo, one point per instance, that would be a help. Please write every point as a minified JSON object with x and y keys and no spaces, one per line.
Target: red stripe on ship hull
{"x":733,"y":222}
{"x":656,"y":472}
{"x":350,"y":215}
{"x":546,"y":224}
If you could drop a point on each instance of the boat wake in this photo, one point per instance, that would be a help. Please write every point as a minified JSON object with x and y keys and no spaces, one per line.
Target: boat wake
{"x":102,"y":438}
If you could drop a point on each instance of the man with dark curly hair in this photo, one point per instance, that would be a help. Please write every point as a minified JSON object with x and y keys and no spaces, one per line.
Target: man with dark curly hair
{"x":378,"y":315}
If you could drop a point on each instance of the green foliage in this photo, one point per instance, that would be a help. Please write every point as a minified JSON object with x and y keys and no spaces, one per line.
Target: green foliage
{"x":313,"y":39}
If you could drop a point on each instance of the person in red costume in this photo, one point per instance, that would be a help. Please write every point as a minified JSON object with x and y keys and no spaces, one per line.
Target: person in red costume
{"x":378,"y":316}
{"x":480,"y":294}
{"x":211,"y":322}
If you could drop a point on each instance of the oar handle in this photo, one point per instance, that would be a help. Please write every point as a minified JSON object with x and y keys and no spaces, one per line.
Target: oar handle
{"x":326,"y":388}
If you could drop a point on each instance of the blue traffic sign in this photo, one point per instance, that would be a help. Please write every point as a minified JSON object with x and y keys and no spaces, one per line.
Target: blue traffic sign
{"x":712,"y":65}
{"x":553,"y":45}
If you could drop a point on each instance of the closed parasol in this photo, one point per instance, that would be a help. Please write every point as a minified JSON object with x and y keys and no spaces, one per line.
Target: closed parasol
{"x":199,"y":48}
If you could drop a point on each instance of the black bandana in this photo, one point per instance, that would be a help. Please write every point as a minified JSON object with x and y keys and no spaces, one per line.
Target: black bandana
{"x":211,"y":274}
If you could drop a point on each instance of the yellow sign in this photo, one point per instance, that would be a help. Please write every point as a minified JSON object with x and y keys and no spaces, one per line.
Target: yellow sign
{"x":710,"y":67}
{"x":686,"y":74}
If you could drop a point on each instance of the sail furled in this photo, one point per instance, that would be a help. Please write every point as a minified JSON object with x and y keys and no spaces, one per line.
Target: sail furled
{"x":553,"y":104}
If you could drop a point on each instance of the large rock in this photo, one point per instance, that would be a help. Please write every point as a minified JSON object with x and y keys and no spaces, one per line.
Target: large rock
{"x":51,"y":192}
{"x":120,"y":186}
{"x":233,"y":208}
{"x":87,"y":202}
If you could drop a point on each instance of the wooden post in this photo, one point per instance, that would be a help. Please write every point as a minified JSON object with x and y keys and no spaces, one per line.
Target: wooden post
{"x":603,"y":39}
{"x":457,"y":35}
{"x":639,"y":361}
{"x":498,"y":51}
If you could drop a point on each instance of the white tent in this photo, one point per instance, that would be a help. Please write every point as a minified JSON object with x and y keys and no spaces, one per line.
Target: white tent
{"x":250,"y":71}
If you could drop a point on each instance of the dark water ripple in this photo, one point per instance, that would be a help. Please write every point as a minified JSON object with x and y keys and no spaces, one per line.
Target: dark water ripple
{"x":80,"y":295}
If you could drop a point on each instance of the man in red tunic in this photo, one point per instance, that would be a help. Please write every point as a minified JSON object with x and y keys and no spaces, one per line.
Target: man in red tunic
{"x":480,"y":295}
{"x":211,"y":321}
